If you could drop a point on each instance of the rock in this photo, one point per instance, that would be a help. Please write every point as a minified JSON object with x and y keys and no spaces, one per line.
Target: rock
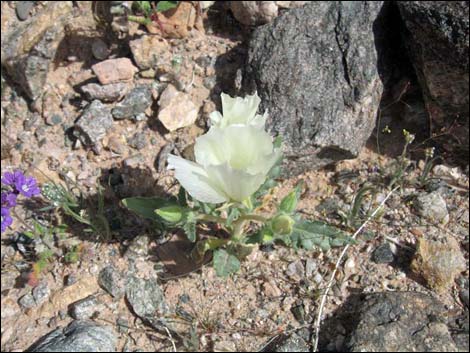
{"x":114,"y":70}
{"x":310,"y":267}
{"x":135,"y":103}
{"x":29,"y":47}
{"x":112,"y":281}
{"x":54,"y":119}
{"x":437,"y":41}
{"x":255,"y":13}
{"x":41,"y":292}
{"x":147,"y":300}
{"x":149,"y":51}
{"x":93,"y":124}
{"x":138,"y":140}
{"x":78,"y":336}
{"x":84,"y":308}
{"x":177,"y":22}
{"x":400,"y":321}
{"x":23,"y":8}
{"x":176,"y":109}
{"x":441,"y":170}
{"x":100,"y":49}
{"x":296,"y":342}
{"x":27,"y":301}
{"x":383,"y":254}
{"x":138,"y":247}
{"x":464,"y":296}
{"x":107,"y":93}
{"x":295,"y":270}
{"x":315,"y":70}
{"x":432,"y":207}
{"x":438,"y":263}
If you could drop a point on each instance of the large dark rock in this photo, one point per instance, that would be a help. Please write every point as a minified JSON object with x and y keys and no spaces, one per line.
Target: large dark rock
{"x":401,"y":322}
{"x":315,"y":69}
{"x":436,"y":37}
{"x":79,"y":336}
{"x":29,"y":48}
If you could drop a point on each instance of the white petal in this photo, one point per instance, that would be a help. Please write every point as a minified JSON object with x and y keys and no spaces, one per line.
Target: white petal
{"x":238,"y":185}
{"x":195,"y":180}
{"x":239,"y":110}
{"x":216,"y":118}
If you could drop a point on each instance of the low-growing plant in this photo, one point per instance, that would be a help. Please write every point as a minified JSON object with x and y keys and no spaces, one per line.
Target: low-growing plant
{"x":237,"y":165}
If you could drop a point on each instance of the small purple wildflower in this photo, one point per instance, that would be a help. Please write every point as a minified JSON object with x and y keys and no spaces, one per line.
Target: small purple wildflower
{"x":27,"y":186}
{"x":11,"y":178}
{"x":8,"y":199}
{"x":6,"y":219}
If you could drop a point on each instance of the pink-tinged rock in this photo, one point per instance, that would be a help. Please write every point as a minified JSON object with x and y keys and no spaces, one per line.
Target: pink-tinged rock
{"x":114,"y":70}
{"x":176,"y":109}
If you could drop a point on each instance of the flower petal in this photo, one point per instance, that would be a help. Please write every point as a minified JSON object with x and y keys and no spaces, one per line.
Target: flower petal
{"x":238,"y":185}
{"x":195,"y":180}
{"x":239,"y":110}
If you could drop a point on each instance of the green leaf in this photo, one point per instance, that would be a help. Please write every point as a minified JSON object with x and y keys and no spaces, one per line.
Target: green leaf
{"x":163,"y":6}
{"x":232,"y":216}
{"x":308,"y":234}
{"x":189,"y":226}
{"x":171,"y":214}
{"x":146,"y":206}
{"x":263,"y":236}
{"x":208,"y":244}
{"x":289,"y":203}
{"x":144,"y":6}
{"x":225,"y":263}
{"x":282,"y":224}
{"x":241,"y":251}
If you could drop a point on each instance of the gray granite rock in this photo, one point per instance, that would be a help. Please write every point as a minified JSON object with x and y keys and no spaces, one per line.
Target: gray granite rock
{"x":84,"y":308}
{"x":29,"y":48}
{"x":147,"y":300}
{"x":41,"y":292}
{"x":111,"y":280}
{"x":135,"y":103}
{"x":296,"y":342}
{"x":93,"y":124}
{"x":315,"y":70}
{"x":78,"y":336}
{"x":400,"y":321}
{"x":436,"y":36}
{"x":432,"y":207}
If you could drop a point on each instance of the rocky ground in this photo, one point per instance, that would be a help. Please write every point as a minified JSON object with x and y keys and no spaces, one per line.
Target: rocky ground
{"x":110,"y":108}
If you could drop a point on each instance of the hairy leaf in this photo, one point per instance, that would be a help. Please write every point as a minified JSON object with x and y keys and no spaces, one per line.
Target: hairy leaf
{"x":225,"y":263}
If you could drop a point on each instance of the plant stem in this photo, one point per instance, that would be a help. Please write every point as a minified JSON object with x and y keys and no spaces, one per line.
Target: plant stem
{"x":211,"y":218}
{"x":140,"y":20}
{"x":254,"y":217}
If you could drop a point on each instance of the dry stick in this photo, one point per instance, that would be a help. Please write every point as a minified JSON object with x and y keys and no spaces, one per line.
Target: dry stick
{"x":330,"y":282}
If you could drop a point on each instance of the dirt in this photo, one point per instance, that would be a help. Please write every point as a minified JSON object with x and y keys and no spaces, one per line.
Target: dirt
{"x":269,"y":295}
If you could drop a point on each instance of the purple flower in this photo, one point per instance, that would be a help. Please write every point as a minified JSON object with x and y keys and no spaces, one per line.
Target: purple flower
{"x":6,"y":219}
{"x":8,"y":199}
{"x":11,"y":178}
{"x":27,"y":186}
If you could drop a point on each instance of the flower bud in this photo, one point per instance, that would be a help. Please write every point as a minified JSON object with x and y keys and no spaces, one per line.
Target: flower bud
{"x":282,"y":224}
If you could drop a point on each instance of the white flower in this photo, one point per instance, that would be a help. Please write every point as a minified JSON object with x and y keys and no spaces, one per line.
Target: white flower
{"x":231,"y":164}
{"x":239,"y":111}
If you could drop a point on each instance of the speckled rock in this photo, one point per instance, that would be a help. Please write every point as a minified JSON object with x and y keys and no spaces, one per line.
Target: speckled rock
{"x":135,"y":103}
{"x":383,"y":254}
{"x":433,"y":207}
{"x":400,"y":321}
{"x":105,"y":93}
{"x":78,"y":336}
{"x":147,"y":300}
{"x":84,"y":308}
{"x":296,"y":342}
{"x":93,"y":124}
{"x":315,"y":70}
{"x":438,"y":262}
{"x":149,"y":51}
{"x":437,"y":40}
{"x":112,"y":281}
{"x":29,"y":48}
